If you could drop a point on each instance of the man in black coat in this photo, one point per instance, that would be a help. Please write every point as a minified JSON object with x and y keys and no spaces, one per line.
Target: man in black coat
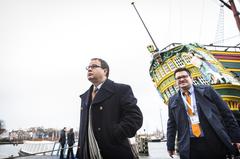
{"x":62,"y":142}
{"x":109,"y":116}
{"x":70,"y":141}
{"x":204,"y":124}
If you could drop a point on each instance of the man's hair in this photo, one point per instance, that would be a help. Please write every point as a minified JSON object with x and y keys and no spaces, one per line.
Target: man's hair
{"x":182,"y":69}
{"x":104,"y":65}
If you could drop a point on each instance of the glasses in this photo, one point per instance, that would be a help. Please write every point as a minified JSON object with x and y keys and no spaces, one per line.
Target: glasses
{"x":180,"y":77}
{"x":92,"y":67}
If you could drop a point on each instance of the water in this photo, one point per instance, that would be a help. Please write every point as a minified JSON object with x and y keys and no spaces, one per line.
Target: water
{"x":8,"y":150}
{"x":157,"y":150}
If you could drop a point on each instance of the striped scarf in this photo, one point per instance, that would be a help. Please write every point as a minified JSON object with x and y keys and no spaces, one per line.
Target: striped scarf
{"x":92,"y":142}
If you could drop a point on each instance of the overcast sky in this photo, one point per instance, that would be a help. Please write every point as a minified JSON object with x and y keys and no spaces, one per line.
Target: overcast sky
{"x":45,"y":46}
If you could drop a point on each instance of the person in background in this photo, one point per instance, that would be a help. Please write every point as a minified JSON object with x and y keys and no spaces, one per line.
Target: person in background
{"x":205,"y":126}
{"x":62,"y":142}
{"x":109,"y":116}
{"x":70,"y":141}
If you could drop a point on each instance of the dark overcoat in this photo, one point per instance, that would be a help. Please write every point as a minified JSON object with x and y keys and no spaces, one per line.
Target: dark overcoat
{"x":216,"y":112}
{"x":115,"y":118}
{"x":62,"y":138}
{"x":70,"y":138}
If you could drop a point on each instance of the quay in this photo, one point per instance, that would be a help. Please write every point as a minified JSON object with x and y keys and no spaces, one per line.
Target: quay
{"x":157,"y":150}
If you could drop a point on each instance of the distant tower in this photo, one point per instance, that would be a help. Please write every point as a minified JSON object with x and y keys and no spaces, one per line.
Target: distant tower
{"x":219,"y":38}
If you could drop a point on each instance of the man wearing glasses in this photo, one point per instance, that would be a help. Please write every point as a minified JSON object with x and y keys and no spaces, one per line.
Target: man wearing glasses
{"x":205,"y":126}
{"x":109,"y":116}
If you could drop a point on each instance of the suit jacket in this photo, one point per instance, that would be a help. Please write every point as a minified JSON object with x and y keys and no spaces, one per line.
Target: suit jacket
{"x":115,"y":118}
{"x":216,"y":111}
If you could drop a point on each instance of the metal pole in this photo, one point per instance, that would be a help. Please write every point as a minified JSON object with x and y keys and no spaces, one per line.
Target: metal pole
{"x":145,"y":27}
{"x":162,"y":122}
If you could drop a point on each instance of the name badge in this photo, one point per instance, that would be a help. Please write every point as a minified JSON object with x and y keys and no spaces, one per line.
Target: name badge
{"x":194,"y":119}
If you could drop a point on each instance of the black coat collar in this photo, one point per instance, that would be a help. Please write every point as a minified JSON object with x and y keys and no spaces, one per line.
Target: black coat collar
{"x":104,"y":92}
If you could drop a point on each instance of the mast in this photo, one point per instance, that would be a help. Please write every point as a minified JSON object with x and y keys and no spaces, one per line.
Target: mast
{"x":145,"y":28}
{"x":235,"y":13}
{"x":234,"y":10}
{"x":154,"y":51}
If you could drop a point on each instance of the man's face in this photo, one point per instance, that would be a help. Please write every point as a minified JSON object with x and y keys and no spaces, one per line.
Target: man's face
{"x":96,"y":74}
{"x":183,"y":80}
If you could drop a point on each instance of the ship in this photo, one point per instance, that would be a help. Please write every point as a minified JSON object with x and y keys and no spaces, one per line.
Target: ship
{"x":215,"y":65}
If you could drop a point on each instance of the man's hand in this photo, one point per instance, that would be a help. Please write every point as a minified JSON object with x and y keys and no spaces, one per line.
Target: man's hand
{"x":238,"y":146}
{"x":171,"y":153}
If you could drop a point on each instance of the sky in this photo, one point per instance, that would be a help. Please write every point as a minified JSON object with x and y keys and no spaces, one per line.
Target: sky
{"x":45,"y":46}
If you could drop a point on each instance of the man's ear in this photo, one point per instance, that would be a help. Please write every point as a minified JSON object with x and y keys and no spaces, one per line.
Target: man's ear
{"x":105,"y":70}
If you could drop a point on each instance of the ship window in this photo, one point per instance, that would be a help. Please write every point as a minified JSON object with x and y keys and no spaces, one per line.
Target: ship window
{"x":158,"y":73}
{"x":195,"y":82}
{"x":161,"y":71}
{"x":187,"y":58}
{"x":203,"y":81}
{"x":171,"y":65}
{"x":166,"y":68}
{"x":179,"y":61}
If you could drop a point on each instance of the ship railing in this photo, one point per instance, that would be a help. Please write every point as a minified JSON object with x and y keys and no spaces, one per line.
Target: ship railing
{"x":235,"y":48}
{"x":212,"y":47}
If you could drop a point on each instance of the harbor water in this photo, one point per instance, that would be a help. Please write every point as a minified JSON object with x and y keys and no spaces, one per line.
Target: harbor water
{"x":9,"y":150}
{"x":157,"y":150}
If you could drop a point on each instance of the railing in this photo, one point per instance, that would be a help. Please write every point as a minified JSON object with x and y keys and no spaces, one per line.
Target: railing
{"x":51,"y":152}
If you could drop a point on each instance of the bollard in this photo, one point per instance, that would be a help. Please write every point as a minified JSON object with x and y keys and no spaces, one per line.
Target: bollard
{"x":142,"y":145}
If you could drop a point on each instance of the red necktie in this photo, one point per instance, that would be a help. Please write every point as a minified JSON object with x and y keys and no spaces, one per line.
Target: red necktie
{"x":196,"y":130}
